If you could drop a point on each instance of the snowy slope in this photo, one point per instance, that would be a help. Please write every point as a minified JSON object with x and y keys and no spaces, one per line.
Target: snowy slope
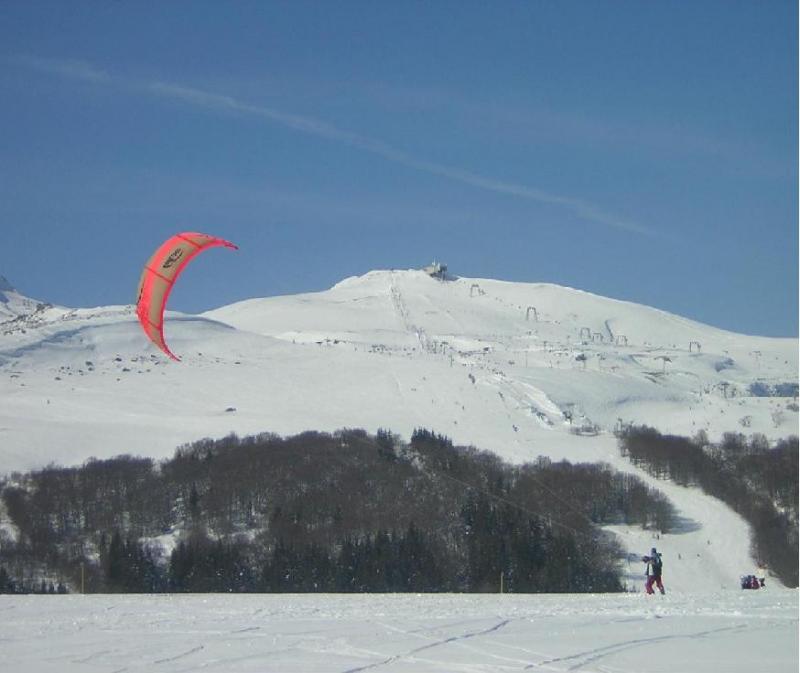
{"x":514,"y":368}
{"x":740,"y":632}
{"x":526,"y":344}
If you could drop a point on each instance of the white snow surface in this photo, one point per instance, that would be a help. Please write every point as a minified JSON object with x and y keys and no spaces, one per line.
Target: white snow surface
{"x":484,"y":362}
{"x":732,"y":632}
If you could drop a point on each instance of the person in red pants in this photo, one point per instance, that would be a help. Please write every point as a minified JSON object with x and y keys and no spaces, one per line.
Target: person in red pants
{"x":653,"y":571}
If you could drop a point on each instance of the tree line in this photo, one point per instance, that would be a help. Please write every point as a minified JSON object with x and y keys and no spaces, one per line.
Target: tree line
{"x":345,"y":511}
{"x":756,"y":479}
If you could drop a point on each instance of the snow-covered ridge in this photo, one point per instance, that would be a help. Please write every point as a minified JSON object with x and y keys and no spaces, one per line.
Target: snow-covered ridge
{"x":494,"y":363}
{"x":18,"y":311}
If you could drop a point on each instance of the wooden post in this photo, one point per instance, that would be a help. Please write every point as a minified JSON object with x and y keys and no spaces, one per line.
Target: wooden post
{"x":501,"y":582}
{"x":83,"y":578}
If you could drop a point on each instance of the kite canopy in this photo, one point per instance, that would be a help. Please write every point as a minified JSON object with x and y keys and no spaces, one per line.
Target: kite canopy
{"x":160,"y":274}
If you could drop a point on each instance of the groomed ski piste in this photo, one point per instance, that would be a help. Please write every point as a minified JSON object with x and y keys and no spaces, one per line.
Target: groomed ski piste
{"x":519,"y":369}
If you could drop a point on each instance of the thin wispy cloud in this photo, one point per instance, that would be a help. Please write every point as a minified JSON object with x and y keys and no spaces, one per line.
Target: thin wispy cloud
{"x":69,"y":68}
{"x":214,"y":102}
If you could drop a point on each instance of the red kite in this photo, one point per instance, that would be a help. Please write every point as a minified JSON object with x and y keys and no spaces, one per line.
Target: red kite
{"x":160,"y":274}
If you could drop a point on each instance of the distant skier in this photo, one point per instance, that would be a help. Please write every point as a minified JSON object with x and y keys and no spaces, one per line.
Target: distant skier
{"x":653,"y":571}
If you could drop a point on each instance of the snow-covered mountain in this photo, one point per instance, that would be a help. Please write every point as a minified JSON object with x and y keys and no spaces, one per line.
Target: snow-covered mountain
{"x":520,"y":369}
{"x":508,"y":366}
{"x":14,"y":305}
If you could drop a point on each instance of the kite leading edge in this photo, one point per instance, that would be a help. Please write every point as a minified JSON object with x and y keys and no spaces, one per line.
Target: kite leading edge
{"x":160,"y":274}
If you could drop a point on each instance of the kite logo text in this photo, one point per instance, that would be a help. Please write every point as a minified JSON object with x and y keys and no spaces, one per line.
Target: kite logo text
{"x":173,"y":257}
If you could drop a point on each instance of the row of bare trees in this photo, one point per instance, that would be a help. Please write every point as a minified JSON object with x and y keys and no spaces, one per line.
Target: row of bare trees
{"x":346,"y":511}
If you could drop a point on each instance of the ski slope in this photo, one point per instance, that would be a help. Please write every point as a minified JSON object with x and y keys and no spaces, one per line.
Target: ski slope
{"x":519,"y":369}
{"x":613,"y":633}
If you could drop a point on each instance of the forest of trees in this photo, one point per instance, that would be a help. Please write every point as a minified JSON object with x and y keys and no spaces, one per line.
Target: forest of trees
{"x":755,"y":479}
{"x":347,"y":512}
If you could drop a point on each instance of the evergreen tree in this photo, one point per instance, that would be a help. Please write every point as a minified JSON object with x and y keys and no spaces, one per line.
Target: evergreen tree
{"x":6,"y":584}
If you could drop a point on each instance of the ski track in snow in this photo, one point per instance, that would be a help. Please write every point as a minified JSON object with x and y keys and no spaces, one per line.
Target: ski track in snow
{"x":593,"y":655}
{"x":436,"y":643}
{"x":167,"y":660}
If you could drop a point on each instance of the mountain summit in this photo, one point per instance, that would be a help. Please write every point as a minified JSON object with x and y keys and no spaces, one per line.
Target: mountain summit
{"x":5,"y":286}
{"x":14,"y":305}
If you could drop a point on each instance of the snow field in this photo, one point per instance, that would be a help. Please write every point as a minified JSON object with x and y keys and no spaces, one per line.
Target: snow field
{"x":729,"y":632}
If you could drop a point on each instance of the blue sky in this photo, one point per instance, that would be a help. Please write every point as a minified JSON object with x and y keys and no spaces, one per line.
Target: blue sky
{"x":640,"y":150}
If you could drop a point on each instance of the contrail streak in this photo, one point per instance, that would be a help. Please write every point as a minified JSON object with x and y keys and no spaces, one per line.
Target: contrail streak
{"x":81,"y":70}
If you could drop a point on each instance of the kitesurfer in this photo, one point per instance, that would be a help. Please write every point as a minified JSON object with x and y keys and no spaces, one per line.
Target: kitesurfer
{"x":653,"y":571}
